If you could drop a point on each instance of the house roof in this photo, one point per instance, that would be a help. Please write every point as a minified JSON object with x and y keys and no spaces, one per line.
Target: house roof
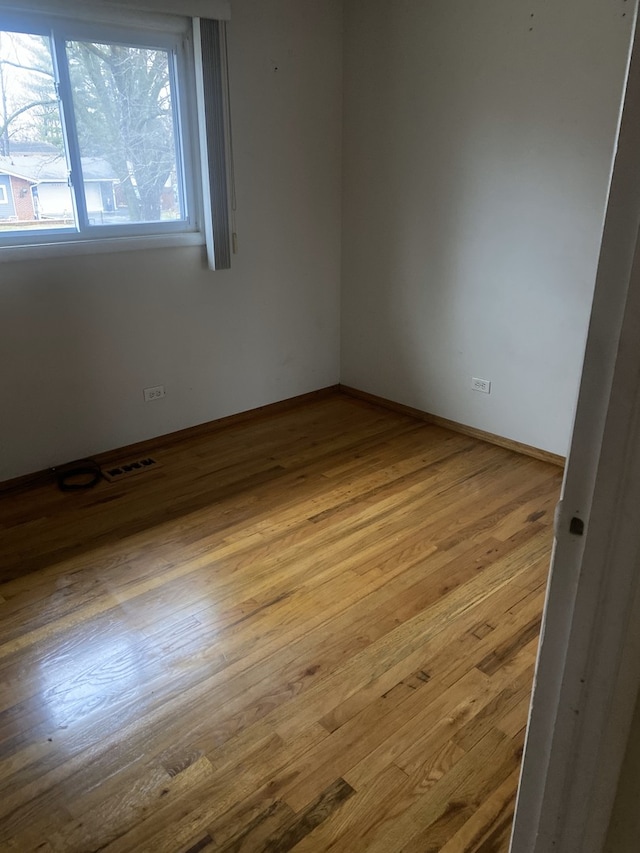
{"x":49,"y":166}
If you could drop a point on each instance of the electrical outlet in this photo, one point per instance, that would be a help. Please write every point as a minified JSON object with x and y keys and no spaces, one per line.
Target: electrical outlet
{"x":482,"y":385}
{"x":154,"y":393}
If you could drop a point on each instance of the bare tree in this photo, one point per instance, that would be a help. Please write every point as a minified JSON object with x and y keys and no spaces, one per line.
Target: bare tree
{"x":28,"y":106}
{"x":123,"y":114}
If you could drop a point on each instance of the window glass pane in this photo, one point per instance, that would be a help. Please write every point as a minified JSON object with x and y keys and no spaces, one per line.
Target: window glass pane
{"x":34,"y":186}
{"x":124,"y":109}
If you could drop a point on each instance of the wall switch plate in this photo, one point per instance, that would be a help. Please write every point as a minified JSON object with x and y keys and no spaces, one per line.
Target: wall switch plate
{"x":154,"y":393}
{"x":482,"y":385}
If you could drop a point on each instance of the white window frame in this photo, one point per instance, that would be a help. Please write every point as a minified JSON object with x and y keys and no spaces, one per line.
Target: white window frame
{"x":171,"y":33}
{"x":4,"y":198}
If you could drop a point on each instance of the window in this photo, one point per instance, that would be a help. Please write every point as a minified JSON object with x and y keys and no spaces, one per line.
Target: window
{"x":4,"y":198}
{"x":94,"y":125}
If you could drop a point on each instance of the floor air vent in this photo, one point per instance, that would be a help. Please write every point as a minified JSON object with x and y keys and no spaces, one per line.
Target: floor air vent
{"x":118,"y":472}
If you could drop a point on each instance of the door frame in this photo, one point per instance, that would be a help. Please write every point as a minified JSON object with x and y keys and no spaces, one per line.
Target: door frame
{"x":588,"y":670}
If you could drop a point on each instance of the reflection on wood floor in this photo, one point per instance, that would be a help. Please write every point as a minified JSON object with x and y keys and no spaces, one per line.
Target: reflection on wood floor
{"x":313,"y":630}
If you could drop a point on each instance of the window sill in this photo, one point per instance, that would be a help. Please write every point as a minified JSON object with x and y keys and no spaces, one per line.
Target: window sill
{"x":108,"y":245}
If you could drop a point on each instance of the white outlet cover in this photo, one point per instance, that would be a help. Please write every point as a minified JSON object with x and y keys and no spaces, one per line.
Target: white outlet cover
{"x":155,"y":393}
{"x":482,"y":385}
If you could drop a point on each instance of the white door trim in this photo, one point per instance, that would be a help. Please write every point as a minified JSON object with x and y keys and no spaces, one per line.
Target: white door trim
{"x":588,"y":670}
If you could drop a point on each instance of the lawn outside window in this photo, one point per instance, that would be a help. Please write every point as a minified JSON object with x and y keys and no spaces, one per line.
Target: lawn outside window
{"x":94,"y":134}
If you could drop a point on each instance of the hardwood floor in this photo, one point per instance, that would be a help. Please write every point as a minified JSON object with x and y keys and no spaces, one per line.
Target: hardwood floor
{"x":311,"y":631}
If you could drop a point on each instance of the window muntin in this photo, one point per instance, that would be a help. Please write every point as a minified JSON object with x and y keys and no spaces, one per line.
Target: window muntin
{"x":104,"y":147}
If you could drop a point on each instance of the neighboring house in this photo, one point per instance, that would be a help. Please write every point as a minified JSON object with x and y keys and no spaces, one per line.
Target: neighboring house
{"x":34,"y":185}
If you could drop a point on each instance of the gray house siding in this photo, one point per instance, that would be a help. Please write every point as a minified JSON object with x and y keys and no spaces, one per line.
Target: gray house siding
{"x":7,"y":205}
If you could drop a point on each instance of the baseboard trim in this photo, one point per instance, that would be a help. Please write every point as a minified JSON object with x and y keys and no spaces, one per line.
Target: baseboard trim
{"x":454,"y":426}
{"x":152,"y":445}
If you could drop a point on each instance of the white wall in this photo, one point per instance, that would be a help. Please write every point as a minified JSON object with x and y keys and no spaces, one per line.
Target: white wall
{"x":81,"y":337}
{"x":478,"y":140}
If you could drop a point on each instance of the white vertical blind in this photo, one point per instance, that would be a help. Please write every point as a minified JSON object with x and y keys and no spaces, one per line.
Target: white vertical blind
{"x":213,"y":121}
